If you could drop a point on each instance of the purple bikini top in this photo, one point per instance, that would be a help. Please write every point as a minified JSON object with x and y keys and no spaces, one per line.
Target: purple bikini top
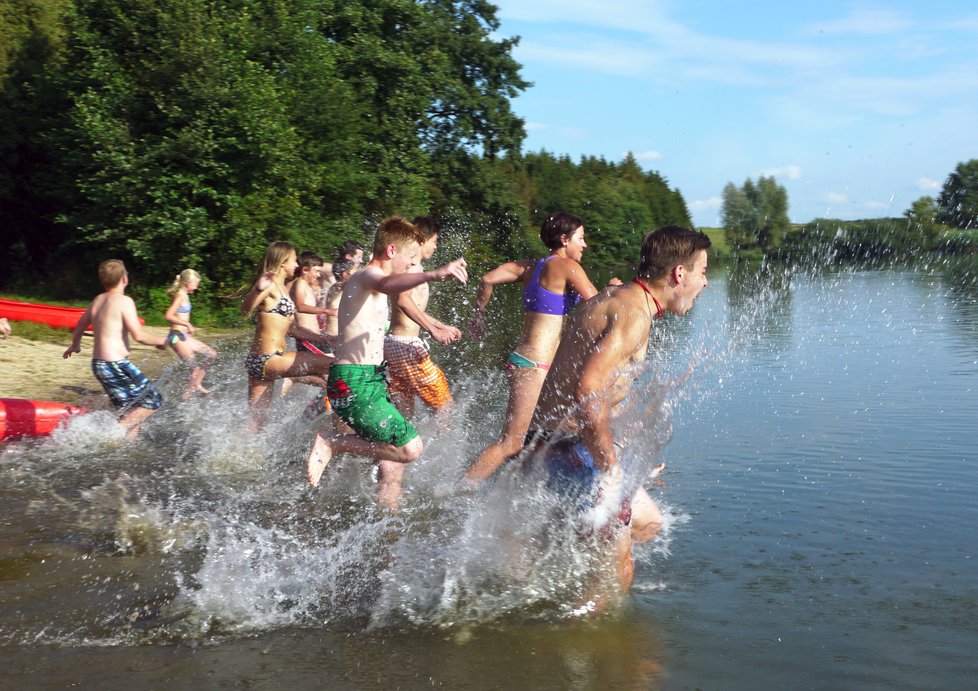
{"x":536,"y":298}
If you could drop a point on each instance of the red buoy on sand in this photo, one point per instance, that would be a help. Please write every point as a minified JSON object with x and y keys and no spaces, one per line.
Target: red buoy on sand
{"x":22,"y":417}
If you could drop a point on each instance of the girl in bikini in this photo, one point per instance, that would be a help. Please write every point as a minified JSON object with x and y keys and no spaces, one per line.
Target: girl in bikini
{"x":196,"y":354}
{"x":269,"y":303}
{"x":552,"y":286}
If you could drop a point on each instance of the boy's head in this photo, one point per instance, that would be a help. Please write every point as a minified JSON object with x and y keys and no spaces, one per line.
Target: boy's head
{"x":307,"y":262}
{"x":343,"y":269}
{"x":668,"y":247}
{"x":557,"y":225}
{"x":111,"y":272}
{"x":399,"y":241}
{"x":352,"y":250}
{"x":430,"y":228}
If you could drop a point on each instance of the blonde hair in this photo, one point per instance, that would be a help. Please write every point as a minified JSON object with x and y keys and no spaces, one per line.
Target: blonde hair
{"x":397,"y":231}
{"x":275,"y":255}
{"x":111,"y":272}
{"x":182,"y":279}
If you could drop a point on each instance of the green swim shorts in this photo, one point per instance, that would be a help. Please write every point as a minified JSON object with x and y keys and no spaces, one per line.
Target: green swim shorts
{"x":359,"y":395}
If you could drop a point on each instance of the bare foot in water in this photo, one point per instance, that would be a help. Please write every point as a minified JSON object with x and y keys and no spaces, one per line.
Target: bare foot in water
{"x":318,"y":460}
{"x":656,"y":470}
{"x":199,"y":389}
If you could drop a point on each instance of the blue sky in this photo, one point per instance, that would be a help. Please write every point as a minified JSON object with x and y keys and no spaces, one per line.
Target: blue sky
{"x":857,"y":108}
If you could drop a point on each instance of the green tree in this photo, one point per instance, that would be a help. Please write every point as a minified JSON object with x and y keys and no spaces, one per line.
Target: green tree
{"x":33,"y":37}
{"x":755,"y":217}
{"x":922,"y":221}
{"x":958,"y":201}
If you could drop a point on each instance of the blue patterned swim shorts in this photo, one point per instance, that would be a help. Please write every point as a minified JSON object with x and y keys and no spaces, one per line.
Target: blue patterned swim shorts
{"x":126,"y":385}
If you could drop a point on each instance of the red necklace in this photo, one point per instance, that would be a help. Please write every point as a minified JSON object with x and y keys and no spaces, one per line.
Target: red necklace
{"x":660,"y":313}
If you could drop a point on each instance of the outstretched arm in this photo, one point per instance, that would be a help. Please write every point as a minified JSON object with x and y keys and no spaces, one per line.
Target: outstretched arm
{"x":440,"y":332}
{"x":130,"y":321}
{"x":510,"y":272}
{"x":76,"y":334}
{"x":398,"y":283}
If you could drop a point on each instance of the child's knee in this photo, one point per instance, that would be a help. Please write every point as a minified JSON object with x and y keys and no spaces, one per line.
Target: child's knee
{"x":411,"y":451}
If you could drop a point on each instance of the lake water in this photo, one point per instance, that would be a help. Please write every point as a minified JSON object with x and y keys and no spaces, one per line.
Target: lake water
{"x":820,"y":492}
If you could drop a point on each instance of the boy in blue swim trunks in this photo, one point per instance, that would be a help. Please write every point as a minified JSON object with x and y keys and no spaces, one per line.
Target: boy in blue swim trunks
{"x":606,"y":339}
{"x":112,"y":316}
{"x":357,"y":385}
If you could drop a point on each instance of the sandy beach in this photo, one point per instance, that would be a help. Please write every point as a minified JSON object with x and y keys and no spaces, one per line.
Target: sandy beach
{"x":37,"y":370}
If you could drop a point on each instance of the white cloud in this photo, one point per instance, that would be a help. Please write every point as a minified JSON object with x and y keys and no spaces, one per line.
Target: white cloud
{"x":927,"y":184}
{"x":792,"y":172}
{"x":628,"y":15}
{"x":877,"y":206}
{"x":535,"y":126}
{"x":863,"y":22}
{"x":836,"y":198}
{"x":591,"y":53}
{"x":701,"y":205}
{"x":645,"y":156}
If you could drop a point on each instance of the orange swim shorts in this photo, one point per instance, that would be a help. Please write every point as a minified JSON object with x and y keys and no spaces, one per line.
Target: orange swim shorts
{"x":412,"y":372}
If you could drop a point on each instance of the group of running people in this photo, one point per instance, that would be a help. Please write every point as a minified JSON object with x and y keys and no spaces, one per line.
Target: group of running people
{"x":357,"y":332}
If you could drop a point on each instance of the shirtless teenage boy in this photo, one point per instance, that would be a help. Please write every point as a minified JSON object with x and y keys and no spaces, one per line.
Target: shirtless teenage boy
{"x":592,"y":372}
{"x":113,"y":318}
{"x":357,"y":388}
{"x":412,"y":372}
{"x":303,"y":293}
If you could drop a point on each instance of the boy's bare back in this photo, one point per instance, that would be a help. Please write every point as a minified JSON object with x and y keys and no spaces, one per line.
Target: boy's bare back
{"x":113,"y":317}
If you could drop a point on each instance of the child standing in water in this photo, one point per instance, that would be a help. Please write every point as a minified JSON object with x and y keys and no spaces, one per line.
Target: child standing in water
{"x":274,"y":312}
{"x":181,"y":337}
{"x":357,"y":388}
{"x":112,"y":316}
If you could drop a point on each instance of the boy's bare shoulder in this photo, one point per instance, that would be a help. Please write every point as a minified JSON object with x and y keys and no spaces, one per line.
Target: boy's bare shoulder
{"x":365,"y":279}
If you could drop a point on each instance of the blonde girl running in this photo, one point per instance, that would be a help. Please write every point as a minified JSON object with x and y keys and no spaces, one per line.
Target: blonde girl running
{"x":196,"y":354}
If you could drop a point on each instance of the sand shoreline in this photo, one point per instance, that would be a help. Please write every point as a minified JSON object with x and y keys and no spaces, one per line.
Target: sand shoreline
{"x":37,"y":370}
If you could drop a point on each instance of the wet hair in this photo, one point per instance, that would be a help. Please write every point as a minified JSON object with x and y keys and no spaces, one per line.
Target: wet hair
{"x":342,"y":265}
{"x":307,"y":260}
{"x":556,"y":225}
{"x":667,"y":247}
{"x":111,"y":272}
{"x":182,"y":279}
{"x":427,"y":225}
{"x":350,"y":247}
{"x":397,"y":231}
{"x":275,"y":255}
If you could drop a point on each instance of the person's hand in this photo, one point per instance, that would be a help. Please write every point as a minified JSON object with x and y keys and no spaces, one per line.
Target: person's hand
{"x":476,"y":328}
{"x":455,"y":269}
{"x":265,"y":280}
{"x":444,"y":334}
{"x":615,"y":281}
{"x":71,"y":349}
{"x":608,"y":500}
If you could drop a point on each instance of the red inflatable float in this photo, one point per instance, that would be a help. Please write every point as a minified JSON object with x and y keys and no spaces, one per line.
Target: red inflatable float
{"x":20,"y":417}
{"x":52,"y":315}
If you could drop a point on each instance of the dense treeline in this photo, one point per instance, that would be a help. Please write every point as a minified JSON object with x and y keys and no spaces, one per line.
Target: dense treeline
{"x":755,"y":219}
{"x":193,"y":132}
